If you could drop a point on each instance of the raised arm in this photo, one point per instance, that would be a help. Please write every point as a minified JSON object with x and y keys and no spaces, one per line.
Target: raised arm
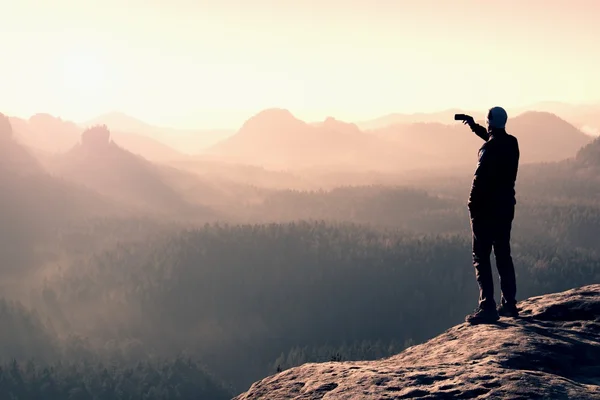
{"x":480,"y":131}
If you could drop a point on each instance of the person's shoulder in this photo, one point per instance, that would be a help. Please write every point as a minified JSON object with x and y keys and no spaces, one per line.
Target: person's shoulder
{"x":512,"y":138}
{"x":515,"y":142}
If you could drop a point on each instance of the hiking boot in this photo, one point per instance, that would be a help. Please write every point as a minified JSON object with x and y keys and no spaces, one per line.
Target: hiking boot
{"x":504,"y":310}
{"x":483,"y":316}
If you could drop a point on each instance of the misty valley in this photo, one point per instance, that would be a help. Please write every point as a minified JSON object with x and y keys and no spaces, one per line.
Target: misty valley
{"x":131,"y":269}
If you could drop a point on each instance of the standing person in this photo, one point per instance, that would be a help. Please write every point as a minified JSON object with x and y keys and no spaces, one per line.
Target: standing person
{"x":492,"y":209}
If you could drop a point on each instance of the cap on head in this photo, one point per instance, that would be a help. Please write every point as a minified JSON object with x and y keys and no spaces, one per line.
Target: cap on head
{"x":497,"y":118}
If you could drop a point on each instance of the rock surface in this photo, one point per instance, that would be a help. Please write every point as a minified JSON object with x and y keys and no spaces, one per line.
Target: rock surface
{"x":551,"y":352}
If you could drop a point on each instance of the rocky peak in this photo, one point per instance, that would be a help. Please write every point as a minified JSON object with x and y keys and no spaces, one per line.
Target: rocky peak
{"x":333,"y":124}
{"x":551,"y":352}
{"x":96,"y":138}
{"x":273,"y":118}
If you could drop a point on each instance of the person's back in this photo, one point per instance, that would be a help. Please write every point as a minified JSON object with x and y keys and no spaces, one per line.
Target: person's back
{"x":491,"y":206}
{"x":507,"y":168}
{"x":493,"y":187}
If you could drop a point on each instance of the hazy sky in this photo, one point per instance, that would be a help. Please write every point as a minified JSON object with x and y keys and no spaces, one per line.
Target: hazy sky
{"x":201,"y":63}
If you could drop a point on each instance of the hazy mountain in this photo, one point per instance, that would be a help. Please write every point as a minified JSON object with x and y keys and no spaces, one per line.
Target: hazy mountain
{"x":243,"y":174}
{"x":146,"y":147}
{"x":14,"y":157}
{"x":586,"y":117}
{"x":212,"y":189}
{"x":53,"y":135}
{"x":188,"y":141}
{"x":29,"y":186}
{"x":122,"y":122}
{"x":589,"y":155}
{"x":441,"y":117}
{"x":46,"y":132}
{"x":100,"y":164}
{"x":441,"y":144}
{"x":542,"y":137}
{"x":33,"y":205}
{"x":573,"y":180}
{"x":275,"y":138}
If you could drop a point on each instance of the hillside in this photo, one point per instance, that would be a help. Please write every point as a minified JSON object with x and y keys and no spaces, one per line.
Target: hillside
{"x":187,"y":141}
{"x":28,"y":191}
{"x":46,"y":132}
{"x":275,"y":138}
{"x":51,"y":134}
{"x":441,"y":117}
{"x":574,"y":178}
{"x":242,"y":174}
{"x":145,"y":146}
{"x":584,"y":116}
{"x":551,"y":352}
{"x":14,"y":157}
{"x":101,"y":165}
{"x":543,"y":137}
{"x":34,"y":204}
{"x":547,"y":137}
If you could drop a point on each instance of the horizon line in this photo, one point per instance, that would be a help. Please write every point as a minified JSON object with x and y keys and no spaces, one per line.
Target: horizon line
{"x":132,"y":117}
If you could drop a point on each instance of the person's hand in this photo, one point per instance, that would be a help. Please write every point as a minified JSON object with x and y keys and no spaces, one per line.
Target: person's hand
{"x":469,"y":121}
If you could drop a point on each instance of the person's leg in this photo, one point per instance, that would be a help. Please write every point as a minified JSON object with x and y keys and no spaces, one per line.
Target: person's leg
{"x":482,"y":248}
{"x":504,"y":261}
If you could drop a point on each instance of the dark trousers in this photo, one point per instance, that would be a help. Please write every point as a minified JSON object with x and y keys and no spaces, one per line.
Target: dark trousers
{"x":492,"y":230}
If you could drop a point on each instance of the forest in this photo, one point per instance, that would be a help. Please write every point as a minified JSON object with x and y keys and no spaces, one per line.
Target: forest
{"x":107,"y":297}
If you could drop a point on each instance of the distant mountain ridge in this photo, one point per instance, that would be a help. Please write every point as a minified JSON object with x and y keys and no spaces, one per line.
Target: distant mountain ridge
{"x":14,"y":157}
{"x":585,"y":117}
{"x":441,"y":117}
{"x":54,"y":135}
{"x":543,"y":137}
{"x":278,"y":139}
{"x":103,"y":166}
{"x":186,"y":141}
{"x":33,"y":204}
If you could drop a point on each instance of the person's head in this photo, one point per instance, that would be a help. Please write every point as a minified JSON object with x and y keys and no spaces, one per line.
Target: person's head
{"x":496,"y":118}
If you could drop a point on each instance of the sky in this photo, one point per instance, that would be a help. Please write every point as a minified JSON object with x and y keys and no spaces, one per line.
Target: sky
{"x":212,"y":64}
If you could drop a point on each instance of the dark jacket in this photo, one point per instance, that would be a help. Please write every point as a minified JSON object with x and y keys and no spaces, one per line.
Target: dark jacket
{"x":493,"y":187}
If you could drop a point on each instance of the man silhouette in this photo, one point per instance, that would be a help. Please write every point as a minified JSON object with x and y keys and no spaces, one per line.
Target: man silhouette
{"x":492,"y":209}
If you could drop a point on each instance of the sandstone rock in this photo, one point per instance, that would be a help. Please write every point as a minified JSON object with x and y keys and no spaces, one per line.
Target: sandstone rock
{"x":551,"y":352}
{"x":96,"y":137}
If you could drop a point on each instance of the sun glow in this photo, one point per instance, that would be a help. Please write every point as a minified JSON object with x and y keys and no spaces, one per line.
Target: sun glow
{"x":83,"y":74}
{"x":212,"y":64}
